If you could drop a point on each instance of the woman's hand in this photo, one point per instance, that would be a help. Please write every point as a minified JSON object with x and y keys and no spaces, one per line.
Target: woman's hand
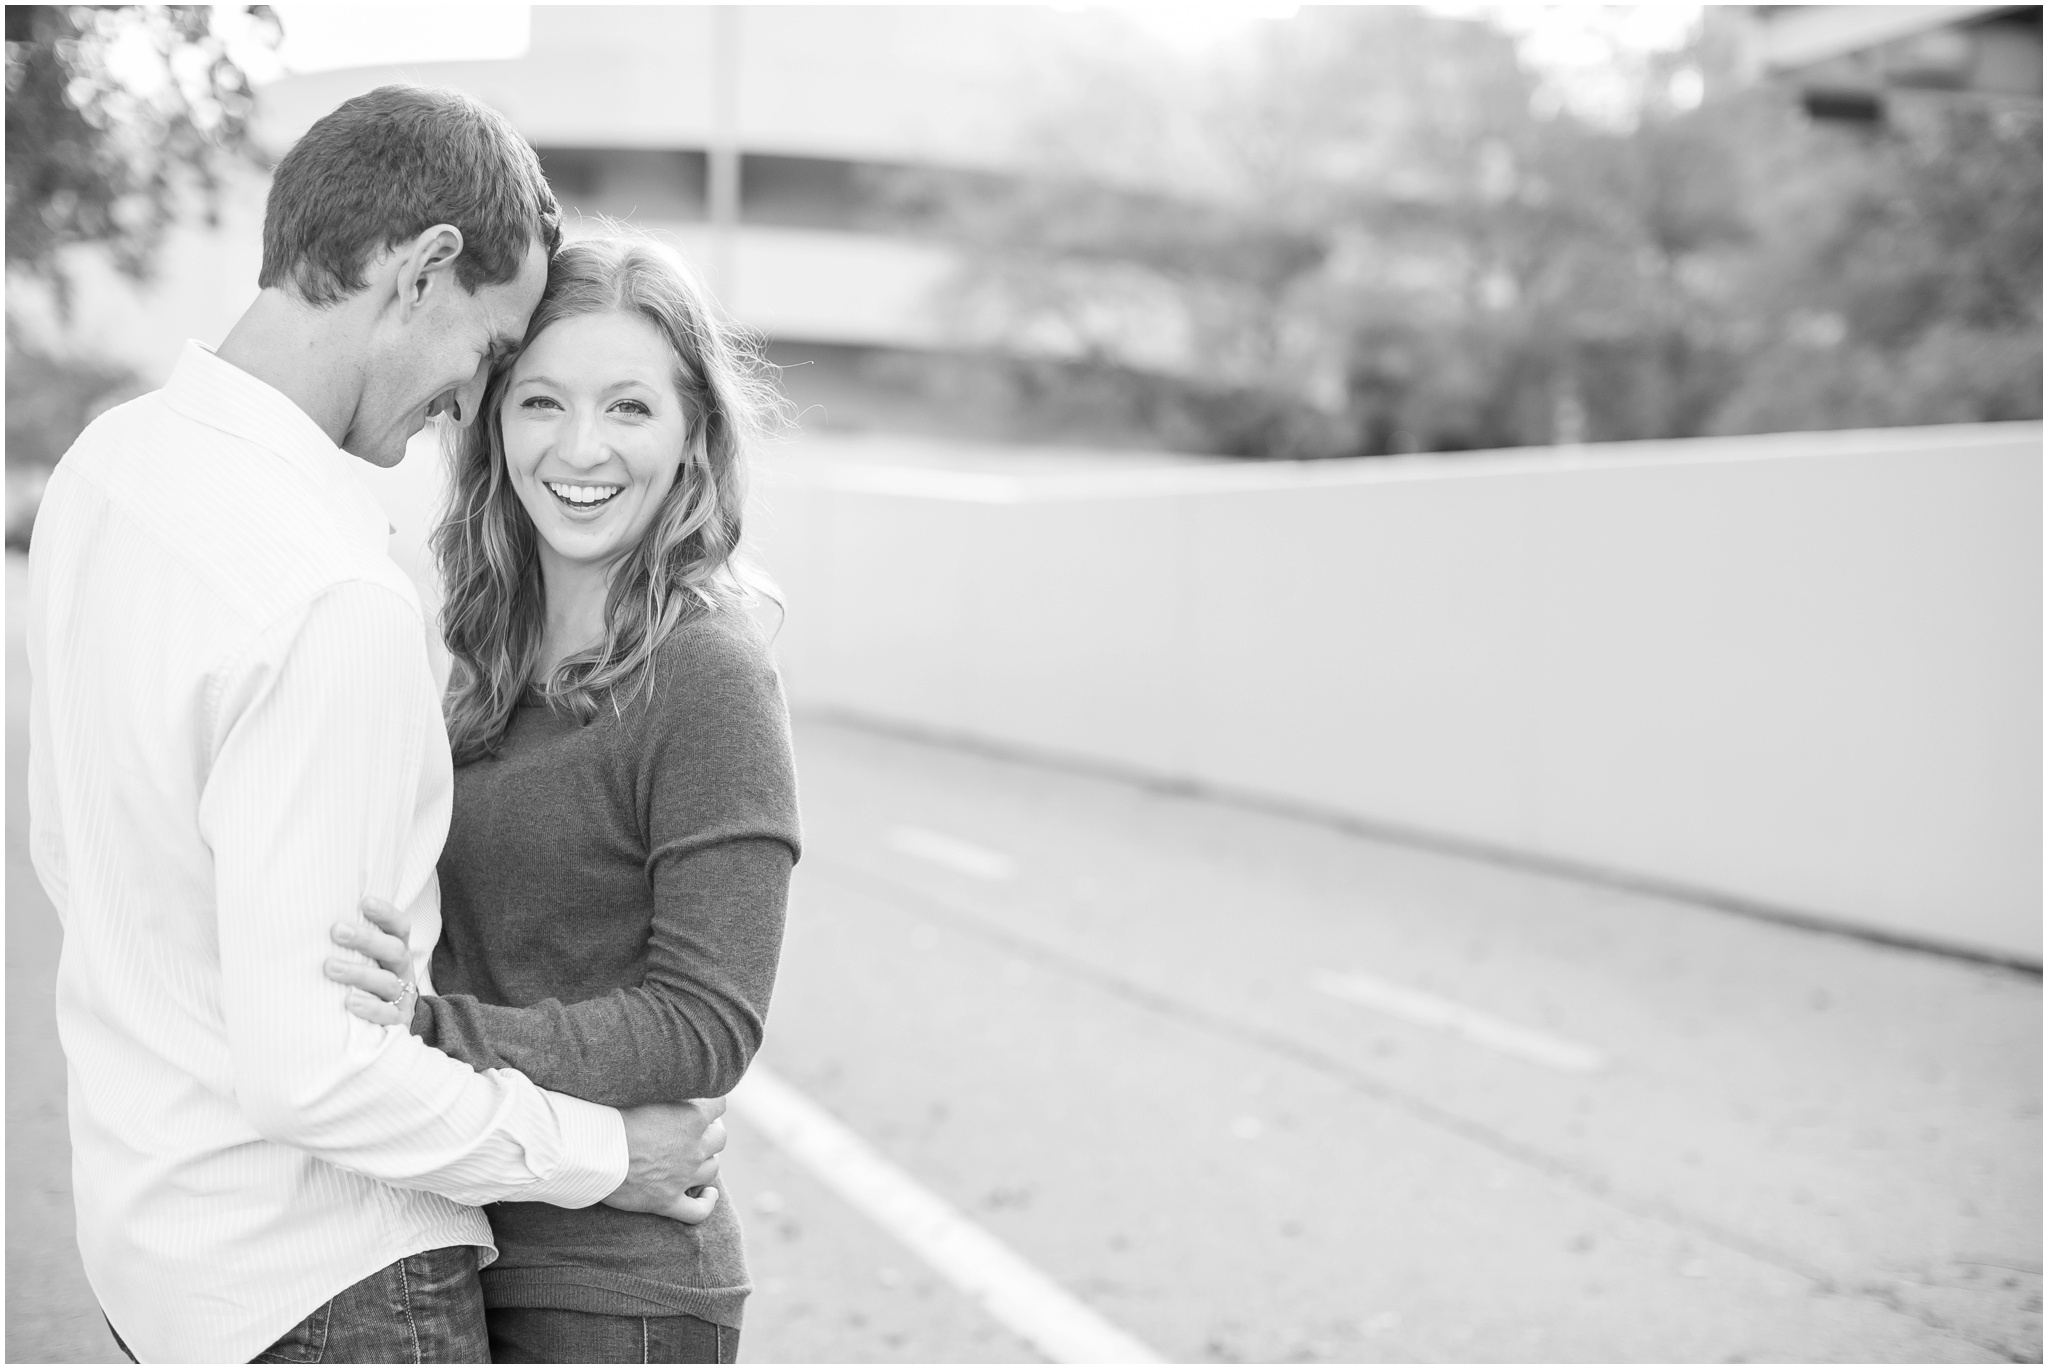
{"x":383,"y":993}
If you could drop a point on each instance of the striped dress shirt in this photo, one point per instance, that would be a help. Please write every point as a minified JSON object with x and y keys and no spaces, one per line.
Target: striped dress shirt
{"x":234,"y":735}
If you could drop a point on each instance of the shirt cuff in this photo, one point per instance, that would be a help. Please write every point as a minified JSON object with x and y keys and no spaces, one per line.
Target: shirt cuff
{"x":594,"y":1155}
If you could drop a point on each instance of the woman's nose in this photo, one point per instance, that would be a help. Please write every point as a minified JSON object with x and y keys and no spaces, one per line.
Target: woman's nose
{"x":586,"y":447}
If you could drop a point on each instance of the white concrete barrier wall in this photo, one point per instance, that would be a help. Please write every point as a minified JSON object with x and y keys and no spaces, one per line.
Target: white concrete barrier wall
{"x":1799,"y":671}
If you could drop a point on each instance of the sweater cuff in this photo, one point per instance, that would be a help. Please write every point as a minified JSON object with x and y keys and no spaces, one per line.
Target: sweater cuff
{"x":594,"y":1157}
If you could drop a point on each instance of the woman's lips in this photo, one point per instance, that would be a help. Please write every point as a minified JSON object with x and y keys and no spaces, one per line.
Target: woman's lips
{"x":581,"y":498}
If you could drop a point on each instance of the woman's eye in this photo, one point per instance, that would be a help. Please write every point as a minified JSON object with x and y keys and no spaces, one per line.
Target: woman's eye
{"x":633,"y":406}
{"x":538,"y":402}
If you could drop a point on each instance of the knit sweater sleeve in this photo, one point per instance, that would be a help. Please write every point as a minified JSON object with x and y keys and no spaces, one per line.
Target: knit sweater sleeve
{"x":715,"y":783}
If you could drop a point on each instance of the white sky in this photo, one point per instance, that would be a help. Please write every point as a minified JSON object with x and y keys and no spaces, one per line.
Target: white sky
{"x":1574,"y":45}
{"x":1584,"y":51}
{"x":324,"y":37}
{"x":1191,"y":25}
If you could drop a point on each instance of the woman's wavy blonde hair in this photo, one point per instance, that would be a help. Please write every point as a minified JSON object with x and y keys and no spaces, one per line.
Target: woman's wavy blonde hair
{"x":686,"y":564}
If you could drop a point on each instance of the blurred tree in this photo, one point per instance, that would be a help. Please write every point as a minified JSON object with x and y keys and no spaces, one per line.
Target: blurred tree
{"x":1898,"y":276}
{"x":118,"y":119}
{"x":1373,"y":230}
{"x":114,"y":115}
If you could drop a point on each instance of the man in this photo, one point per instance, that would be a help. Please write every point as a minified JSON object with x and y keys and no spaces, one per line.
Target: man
{"x":234,"y":737}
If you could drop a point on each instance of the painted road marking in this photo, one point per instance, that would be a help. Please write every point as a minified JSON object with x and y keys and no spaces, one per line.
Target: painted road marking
{"x":1059,"y":1325}
{"x":951,"y":852}
{"x":1427,"y":1010}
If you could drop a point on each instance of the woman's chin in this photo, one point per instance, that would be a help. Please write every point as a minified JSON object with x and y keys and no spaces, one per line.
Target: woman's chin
{"x":581,"y":546}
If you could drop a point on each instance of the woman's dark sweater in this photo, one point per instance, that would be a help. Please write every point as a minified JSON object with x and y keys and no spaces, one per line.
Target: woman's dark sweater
{"x":612,"y":899}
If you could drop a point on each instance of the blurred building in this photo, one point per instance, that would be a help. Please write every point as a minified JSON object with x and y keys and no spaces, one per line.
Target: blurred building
{"x":1867,"y":62}
{"x":798,"y":156}
{"x":784,"y":150}
{"x":805,"y":159}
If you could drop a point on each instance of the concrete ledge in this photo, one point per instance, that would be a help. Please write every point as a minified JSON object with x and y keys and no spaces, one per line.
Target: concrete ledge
{"x":1798,"y":673}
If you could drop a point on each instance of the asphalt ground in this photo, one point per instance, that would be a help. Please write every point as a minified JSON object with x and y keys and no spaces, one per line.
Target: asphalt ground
{"x":1098,"y":1021}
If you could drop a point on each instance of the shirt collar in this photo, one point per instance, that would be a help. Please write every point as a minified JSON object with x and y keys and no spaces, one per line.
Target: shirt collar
{"x":222,"y":395}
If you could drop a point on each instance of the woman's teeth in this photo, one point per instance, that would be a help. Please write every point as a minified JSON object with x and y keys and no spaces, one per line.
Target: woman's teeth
{"x":581,"y":496}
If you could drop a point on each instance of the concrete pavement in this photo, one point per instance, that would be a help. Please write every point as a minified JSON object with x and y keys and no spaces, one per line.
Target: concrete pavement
{"x":1093,"y":1023}
{"x":1803,"y":1148}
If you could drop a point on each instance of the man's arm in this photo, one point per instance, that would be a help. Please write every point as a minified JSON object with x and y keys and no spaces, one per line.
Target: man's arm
{"x":46,"y":845}
{"x":325,"y":728}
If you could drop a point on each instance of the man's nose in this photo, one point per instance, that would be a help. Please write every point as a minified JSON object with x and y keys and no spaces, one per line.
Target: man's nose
{"x":469,"y":397}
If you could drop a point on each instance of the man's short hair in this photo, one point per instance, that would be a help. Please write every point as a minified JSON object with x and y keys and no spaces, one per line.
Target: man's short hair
{"x":387,"y":166}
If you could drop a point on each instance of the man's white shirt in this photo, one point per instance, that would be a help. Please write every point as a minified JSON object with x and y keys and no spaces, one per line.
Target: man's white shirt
{"x":234,"y":736}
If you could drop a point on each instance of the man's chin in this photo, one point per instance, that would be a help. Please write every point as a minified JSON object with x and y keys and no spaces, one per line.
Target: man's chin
{"x":386,"y":450}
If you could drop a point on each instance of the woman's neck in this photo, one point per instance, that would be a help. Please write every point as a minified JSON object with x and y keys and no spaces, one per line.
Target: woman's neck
{"x":573,"y":594}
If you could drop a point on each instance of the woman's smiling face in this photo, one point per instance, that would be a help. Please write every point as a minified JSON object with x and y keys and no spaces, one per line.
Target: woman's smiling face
{"x":594,"y":434}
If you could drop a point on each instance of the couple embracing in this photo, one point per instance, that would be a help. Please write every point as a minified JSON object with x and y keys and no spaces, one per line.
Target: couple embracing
{"x":384,"y":1012}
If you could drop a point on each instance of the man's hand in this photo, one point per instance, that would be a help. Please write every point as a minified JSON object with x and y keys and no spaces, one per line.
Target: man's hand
{"x":674,"y":1149}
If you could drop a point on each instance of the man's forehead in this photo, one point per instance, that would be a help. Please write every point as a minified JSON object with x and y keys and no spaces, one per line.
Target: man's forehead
{"x":526,"y":287}
{"x":536,"y":262}
{"x":509,"y":305}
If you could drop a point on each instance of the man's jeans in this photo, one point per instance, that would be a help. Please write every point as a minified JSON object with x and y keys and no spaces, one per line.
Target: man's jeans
{"x":424,"y":1309}
{"x":547,"y":1335}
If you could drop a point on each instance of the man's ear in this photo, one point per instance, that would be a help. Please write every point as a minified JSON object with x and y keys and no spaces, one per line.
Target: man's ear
{"x":427,"y":265}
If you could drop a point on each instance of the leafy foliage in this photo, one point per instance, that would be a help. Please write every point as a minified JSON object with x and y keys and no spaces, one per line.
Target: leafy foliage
{"x":114,"y":113}
{"x":1379,"y":221}
{"x":1901,"y":281}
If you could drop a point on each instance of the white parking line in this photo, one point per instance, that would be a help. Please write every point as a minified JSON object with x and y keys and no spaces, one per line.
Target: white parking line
{"x":1427,"y":1010}
{"x":1057,"y":1323}
{"x":951,"y":852}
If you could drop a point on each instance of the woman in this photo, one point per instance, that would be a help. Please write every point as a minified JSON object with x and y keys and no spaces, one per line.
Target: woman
{"x":625,"y":804}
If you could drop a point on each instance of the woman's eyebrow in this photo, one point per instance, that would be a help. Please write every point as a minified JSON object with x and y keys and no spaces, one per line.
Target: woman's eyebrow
{"x":634,"y":383}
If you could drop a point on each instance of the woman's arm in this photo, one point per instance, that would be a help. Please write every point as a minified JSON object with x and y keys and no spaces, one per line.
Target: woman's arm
{"x":718,"y":787}
{"x":688,"y":1030}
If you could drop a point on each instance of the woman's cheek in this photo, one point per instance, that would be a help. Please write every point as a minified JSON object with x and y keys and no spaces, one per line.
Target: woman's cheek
{"x":523,"y":443}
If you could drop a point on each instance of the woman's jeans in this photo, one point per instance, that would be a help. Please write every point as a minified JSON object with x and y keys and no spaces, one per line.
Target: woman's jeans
{"x":424,"y":1309}
{"x":547,"y":1335}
